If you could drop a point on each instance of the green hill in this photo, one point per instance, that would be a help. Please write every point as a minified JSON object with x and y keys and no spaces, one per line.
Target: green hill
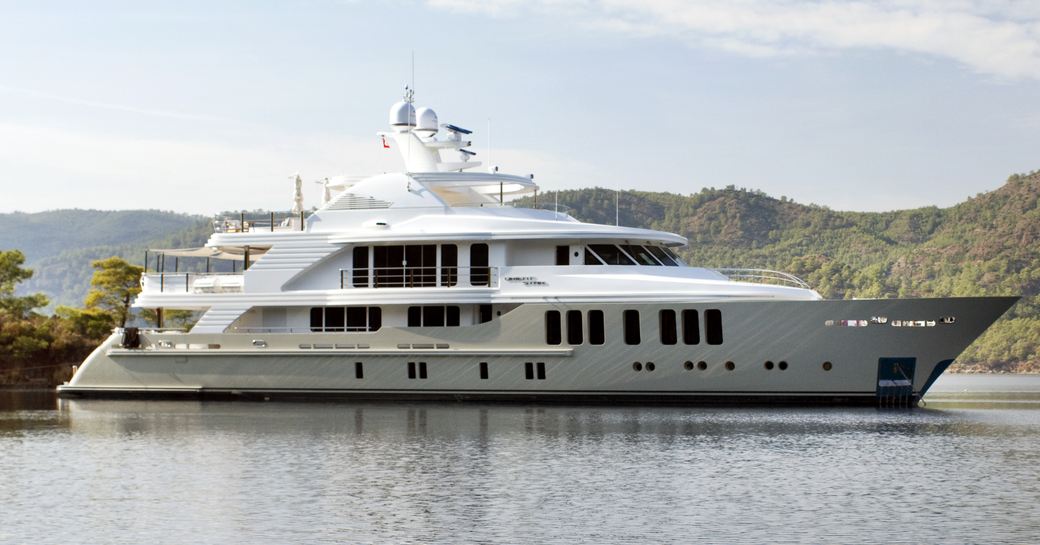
{"x":987,"y":245}
{"x":60,"y":244}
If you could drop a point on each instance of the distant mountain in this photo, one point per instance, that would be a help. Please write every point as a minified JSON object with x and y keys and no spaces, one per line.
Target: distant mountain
{"x":987,"y":245}
{"x":60,"y":244}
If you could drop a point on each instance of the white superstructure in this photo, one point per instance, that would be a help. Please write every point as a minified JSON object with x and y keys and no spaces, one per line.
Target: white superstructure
{"x":430,"y":283}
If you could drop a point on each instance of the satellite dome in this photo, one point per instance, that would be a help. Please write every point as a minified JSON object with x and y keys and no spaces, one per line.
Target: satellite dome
{"x":427,"y":121}
{"x":402,"y":115}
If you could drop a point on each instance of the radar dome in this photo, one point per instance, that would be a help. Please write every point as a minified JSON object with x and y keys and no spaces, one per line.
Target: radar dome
{"x":402,"y":116}
{"x":427,"y":121}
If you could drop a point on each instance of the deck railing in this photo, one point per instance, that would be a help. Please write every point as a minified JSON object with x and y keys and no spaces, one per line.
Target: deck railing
{"x":764,"y":276}
{"x":189,"y":282}
{"x":418,"y":277}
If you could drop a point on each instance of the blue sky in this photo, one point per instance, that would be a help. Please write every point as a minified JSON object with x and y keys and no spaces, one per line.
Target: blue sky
{"x":206,"y":106}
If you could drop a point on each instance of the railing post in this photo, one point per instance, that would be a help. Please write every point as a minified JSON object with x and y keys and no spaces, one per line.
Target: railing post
{"x":341,"y":279}
{"x":186,"y":290}
{"x":272,"y":222}
{"x":162,"y":282}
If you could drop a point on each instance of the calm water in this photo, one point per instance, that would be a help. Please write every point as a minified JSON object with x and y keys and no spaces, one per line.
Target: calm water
{"x":966,"y":469}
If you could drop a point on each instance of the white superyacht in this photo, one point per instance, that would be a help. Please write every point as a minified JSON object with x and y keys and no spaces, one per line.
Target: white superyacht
{"x":429,"y":284}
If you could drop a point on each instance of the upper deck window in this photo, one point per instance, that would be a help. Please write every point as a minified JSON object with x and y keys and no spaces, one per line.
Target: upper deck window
{"x":610,"y":254}
{"x":662,"y":255}
{"x":640,"y":254}
{"x":591,"y":259}
{"x":479,"y":272}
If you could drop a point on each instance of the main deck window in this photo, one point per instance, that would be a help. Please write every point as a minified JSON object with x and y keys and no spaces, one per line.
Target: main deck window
{"x":596,"y":333}
{"x":563,"y":255}
{"x":434,"y":316}
{"x":575,"y":335}
{"x":553,"y":328}
{"x":346,"y":319}
{"x":713,"y":325}
{"x":667,"y":325}
{"x":630,"y":321}
{"x":691,"y":329}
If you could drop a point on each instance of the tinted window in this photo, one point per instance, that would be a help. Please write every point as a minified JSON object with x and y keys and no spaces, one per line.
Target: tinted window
{"x":596,"y":335}
{"x":640,"y":254}
{"x":553,"y":335}
{"x":449,"y":264}
{"x":563,"y":255}
{"x":375,"y":318}
{"x":661,"y":256}
{"x":591,"y":259}
{"x":667,"y":322}
{"x":479,"y":273}
{"x":713,"y":326}
{"x":334,"y":318}
{"x":691,"y":329}
{"x":574,"y":332}
{"x":357,"y":318}
{"x":610,"y":254}
{"x":317,"y":318}
{"x":631,"y":325}
{"x":360,"y":274}
{"x":433,"y":316}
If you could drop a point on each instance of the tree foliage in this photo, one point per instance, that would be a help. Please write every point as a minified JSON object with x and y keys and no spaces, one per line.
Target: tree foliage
{"x":113,"y":288}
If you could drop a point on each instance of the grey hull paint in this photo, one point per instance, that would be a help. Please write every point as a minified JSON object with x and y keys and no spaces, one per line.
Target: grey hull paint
{"x":754,"y":332}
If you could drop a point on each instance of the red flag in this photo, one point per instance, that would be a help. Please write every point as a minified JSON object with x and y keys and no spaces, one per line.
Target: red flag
{"x":385,"y":145}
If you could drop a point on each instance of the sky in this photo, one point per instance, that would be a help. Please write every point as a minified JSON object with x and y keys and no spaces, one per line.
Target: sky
{"x":207,"y":106}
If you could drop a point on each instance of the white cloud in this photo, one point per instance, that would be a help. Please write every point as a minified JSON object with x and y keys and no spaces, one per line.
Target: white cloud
{"x":1000,"y":38}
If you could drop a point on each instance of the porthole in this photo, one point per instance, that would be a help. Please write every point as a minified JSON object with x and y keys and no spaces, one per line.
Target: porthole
{"x":782,"y":365}
{"x":730,"y":366}
{"x":688,"y":366}
{"x":650,"y":366}
{"x":768,"y":365}
{"x":702,"y":365}
{"x":827,"y":366}
{"x":637,"y":366}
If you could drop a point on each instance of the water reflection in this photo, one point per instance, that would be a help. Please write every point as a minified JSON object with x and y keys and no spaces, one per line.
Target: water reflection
{"x":178,"y":471}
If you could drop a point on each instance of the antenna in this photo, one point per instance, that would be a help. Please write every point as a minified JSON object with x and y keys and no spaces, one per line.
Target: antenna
{"x":490,"y":167}
{"x":617,"y":206}
{"x":413,"y":71}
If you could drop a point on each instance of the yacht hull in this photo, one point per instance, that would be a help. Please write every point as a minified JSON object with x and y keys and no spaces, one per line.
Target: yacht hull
{"x":772,"y":352}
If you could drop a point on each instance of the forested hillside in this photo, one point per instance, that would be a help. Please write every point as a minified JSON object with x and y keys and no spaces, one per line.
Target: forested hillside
{"x":60,"y":244}
{"x":987,"y":245}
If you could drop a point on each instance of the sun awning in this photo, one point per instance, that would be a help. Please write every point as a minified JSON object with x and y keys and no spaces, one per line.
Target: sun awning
{"x":231,"y":254}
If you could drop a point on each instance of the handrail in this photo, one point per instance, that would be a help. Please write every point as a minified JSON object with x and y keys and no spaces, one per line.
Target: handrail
{"x":188,"y":282}
{"x":418,"y":277}
{"x":763,"y":276}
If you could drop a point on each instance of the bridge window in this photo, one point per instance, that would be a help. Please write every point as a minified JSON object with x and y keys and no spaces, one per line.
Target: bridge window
{"x":667,"y":323}
{"x":553,"y":333}
{"x":662,"y":256}
{"x":631,"y":326}
{"x":610,"y":254}
{"x":351,"y":319}
{"x":563,"y":255}
{"x":691,"y":329}
{"x":574,"y":330}
{"x":640,"y":254}
{"x":433,"y":316}
{"x":479,"y":273}
{"x":713,"y":325}
{"x":591,"y":259}
{"x":596,"y":330}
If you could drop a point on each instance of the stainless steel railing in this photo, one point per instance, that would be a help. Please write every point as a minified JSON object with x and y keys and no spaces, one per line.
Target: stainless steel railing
{"x":763,"y":276}
{"x":189,"y":282}
{"x":418,"y":277}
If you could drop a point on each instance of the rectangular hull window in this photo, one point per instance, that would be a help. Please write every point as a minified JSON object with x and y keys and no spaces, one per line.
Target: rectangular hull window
{"x":529,"y":370}
{"x":713,"y":325}
{"x":667,"y":322}
{"x":422,"y":369}
{"x":553,"y":335}
{"x":541,"y":370}
{"x":483,"y":370}
{"x":596,"y":334}
{"x":359,"y":370}
{"x":691,"y":328}
{"x":575,"y":335}
{"x":631,"y":325}
{"x":411,"y":369}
